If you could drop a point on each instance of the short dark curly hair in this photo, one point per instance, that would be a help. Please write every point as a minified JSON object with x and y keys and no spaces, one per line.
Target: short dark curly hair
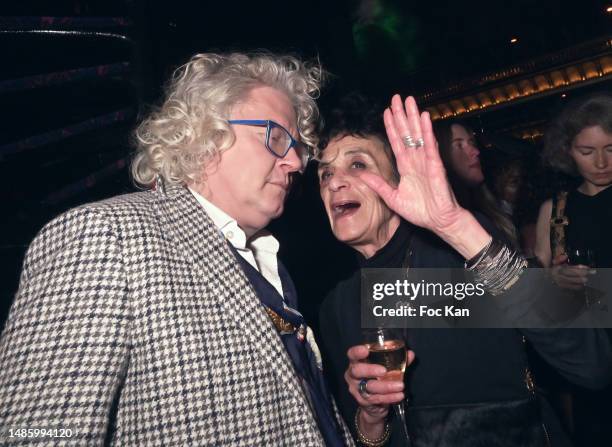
{"x":592,"y":110}
{"x":359,"y":116}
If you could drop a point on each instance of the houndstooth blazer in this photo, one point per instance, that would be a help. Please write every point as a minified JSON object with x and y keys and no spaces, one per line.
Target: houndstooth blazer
{"x":134,"y":310}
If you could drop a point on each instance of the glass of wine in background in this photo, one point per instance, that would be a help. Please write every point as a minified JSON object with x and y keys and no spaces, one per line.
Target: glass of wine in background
{"x":387,"y":348}
{"x":584,"y":256}
{"x":581,"y":256}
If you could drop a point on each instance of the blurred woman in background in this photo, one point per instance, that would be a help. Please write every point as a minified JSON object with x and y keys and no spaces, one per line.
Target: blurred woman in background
{"x":579,"y":143}
{"x":461,"y":157}
{"x":573,"y":229}
{"x":511,"y":182}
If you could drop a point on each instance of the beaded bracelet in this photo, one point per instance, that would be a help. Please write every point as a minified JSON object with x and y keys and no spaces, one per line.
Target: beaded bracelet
{"x":367,"y":442}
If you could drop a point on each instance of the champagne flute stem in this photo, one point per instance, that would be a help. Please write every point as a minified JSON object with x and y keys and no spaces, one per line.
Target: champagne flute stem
{"x":399,"y":411}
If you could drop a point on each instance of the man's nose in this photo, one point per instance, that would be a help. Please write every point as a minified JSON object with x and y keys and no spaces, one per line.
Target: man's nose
{"x":292,"y":162}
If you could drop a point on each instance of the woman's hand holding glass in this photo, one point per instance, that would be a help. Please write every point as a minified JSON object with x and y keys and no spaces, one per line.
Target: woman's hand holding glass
{"x":378,"y":395}
{"x":569,"y":276}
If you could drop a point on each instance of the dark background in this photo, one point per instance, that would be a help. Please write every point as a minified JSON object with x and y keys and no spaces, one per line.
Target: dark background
{"x":65,"y":135}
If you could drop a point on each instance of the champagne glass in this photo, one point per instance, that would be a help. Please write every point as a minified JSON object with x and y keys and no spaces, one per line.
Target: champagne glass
{"x":387,"y":348}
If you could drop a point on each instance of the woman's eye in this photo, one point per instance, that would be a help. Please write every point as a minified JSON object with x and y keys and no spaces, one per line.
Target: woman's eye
{"x":358,"y":165}
{"x":325,"y":175}
{"x":586,"y":153}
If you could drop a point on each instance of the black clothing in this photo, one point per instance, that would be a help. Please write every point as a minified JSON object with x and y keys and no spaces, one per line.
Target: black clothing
{"x":453,"y":366}
{"x":589,"y":227}
{"x":590,"y":219}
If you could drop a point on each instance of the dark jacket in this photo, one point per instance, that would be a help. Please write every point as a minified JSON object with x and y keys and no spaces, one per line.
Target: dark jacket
{"x":457,"y":367}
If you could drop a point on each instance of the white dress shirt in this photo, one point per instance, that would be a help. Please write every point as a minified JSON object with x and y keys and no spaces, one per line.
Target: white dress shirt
{"x":260,"y":250}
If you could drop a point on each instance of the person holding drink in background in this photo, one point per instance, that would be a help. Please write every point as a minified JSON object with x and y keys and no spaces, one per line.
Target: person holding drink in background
{"x":386,"y":195}
{"x":572,"y":226}
{"x":573,"y":230}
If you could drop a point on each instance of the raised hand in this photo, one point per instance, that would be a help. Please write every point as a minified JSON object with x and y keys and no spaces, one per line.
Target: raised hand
{"x":423,"y":195}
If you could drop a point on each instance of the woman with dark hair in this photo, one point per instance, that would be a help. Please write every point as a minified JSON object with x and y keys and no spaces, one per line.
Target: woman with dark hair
{"x":510,"y":178}
{"x":387,"y":197}
{"x":461,"y":157}
{"x":576,"y":223}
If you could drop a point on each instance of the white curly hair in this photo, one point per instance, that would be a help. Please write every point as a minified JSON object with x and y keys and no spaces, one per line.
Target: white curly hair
{"x":177,"y":140}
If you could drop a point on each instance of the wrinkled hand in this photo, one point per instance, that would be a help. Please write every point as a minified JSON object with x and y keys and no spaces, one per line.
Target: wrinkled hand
{"x":381,"y":393}
{"x":423,"y":195}
{"x":568,"y":276}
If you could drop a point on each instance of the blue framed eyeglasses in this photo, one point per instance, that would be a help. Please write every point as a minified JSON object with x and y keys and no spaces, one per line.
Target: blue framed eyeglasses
{"x":278,"y":139}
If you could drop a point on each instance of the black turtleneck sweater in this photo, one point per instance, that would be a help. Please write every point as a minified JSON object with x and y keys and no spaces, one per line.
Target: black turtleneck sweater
{"x":452,"y":366}
{"x":449,"y":364}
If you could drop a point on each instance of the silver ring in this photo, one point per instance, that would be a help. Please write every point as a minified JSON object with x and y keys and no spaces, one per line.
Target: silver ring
{"x":409,"y":141}
{"x":420,"y":142}
{"x":363,"y":388}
